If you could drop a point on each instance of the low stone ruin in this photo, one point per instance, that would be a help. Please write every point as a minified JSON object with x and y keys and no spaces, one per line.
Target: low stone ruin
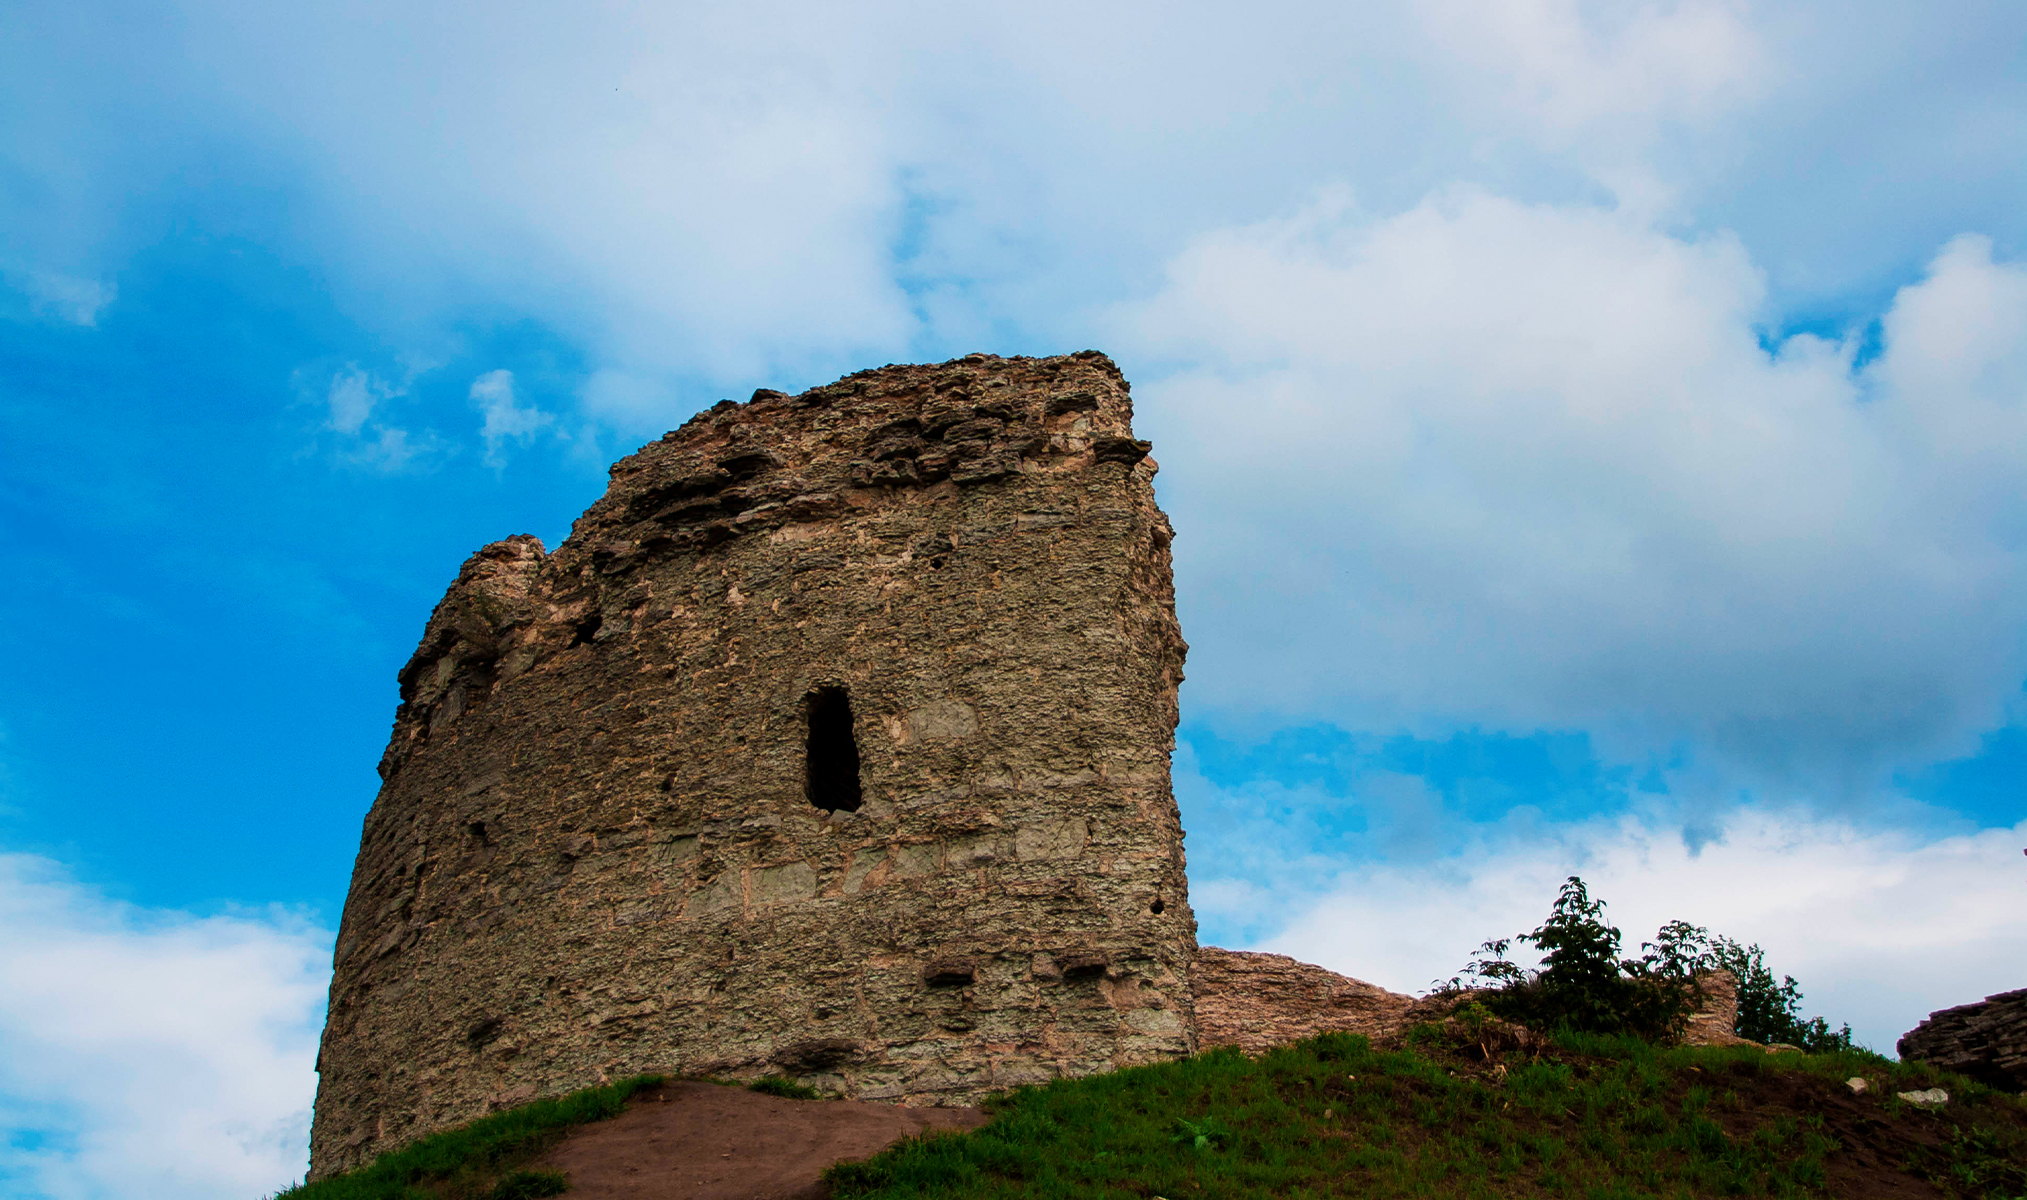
{"x":1256,"y":1002}
{"x":1986,"y":1041}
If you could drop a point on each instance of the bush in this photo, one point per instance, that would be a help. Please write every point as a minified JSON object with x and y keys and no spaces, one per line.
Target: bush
{"x":1583,"y":986}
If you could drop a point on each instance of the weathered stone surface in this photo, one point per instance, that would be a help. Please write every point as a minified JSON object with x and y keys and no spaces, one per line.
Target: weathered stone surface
{"x":1986,"y":1041}
{"x":1715,"y":1022}
{"x":1259,"y":1001}
{"x":597,"y":849}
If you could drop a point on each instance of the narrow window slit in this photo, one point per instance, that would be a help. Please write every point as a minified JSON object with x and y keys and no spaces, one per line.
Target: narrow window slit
{"x":833,"y":751}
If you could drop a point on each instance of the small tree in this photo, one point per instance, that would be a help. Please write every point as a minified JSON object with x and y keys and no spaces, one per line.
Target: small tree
{"x":1584,"y":985}
{"x":1769,"y":1011}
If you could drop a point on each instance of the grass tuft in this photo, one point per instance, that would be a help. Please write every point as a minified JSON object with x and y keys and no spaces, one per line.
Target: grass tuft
{"x":781,"y":1085}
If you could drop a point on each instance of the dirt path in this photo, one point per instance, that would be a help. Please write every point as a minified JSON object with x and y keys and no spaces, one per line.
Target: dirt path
{"x":700,"y":1141}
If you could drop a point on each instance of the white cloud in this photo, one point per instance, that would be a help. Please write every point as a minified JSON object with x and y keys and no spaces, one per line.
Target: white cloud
{"x":362,"y":439}
{"x":391,"y":450}
{"x":151,"y":1053}
{"x":68,"y":298}
{"x":493,"y":395}
{"x":1879,"y":928}
{"x":354,"y":394}
{"x":1568,"y":65}
{"x":71,"y":299}
{"x":1530,"y":467}
{"x":771,"y":192}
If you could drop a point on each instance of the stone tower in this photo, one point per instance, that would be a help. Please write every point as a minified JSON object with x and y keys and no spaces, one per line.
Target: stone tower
{"x":834,"y":742}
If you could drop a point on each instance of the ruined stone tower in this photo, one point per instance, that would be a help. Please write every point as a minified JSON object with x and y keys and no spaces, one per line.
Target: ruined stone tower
{"x":834,"y":742}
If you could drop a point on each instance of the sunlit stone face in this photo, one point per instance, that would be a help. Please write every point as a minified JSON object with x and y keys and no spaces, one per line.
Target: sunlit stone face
{"x":834,"y":741}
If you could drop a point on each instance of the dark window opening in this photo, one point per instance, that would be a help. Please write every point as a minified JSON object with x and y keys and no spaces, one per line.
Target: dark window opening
{"x":833,"y":752}
{"x":1157,"y":908}
{"x":586,"y":630}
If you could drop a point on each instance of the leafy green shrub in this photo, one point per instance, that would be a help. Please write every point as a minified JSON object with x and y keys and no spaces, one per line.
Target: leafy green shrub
{"x":1583,"y":986}
{"x":783,"y":1086}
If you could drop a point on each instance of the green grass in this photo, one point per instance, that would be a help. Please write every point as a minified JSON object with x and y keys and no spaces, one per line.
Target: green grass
{"x":1594,"y":1118}
{"x":1590,"y":1118}
{"x":479,"y":1161}
{"x":781,"y":1085}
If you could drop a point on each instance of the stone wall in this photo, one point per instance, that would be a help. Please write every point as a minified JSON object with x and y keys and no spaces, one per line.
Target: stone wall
{"x":1986,"y":1041}
{"x":596,"y":850}
{"x":1259,"y":1001}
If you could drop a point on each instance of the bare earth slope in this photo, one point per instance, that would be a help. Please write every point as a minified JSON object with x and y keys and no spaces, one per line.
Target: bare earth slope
{"x":700,"y":1141}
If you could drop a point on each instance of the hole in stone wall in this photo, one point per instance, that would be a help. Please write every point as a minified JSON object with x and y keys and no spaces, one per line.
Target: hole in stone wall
{"x":833,"y":751}
{"x":1157,"y":908}
{"x":586,"y":630}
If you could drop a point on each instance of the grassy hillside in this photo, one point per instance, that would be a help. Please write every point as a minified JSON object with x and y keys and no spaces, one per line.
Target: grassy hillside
{"x":1586,"y":1117}
{"x":1590,"y":1117}
{"x":482,"y":1160}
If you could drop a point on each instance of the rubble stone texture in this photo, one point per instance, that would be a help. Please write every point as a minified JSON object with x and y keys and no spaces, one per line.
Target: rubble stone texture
{"x":622,"y":828}
{"x":1715,"y":1021}
{"x":1259,"y":1001}
{"x":1986,"y":1041}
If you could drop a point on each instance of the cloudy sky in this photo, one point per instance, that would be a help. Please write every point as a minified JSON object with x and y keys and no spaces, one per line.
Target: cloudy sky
{"x":1596,"y":433}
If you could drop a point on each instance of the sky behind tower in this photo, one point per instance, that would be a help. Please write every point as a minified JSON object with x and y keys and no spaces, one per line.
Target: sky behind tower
{"x":1594,"y":432}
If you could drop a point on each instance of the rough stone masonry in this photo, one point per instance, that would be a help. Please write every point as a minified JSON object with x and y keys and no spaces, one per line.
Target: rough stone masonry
{"x":834,"y":741}
{"x":1986,"y":1040}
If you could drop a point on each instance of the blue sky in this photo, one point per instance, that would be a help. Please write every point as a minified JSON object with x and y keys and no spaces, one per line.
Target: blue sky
{"x":1594,"y":432}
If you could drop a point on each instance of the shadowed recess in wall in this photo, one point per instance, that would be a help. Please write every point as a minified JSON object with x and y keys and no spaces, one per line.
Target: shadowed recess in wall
{"x":833,"y":752}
